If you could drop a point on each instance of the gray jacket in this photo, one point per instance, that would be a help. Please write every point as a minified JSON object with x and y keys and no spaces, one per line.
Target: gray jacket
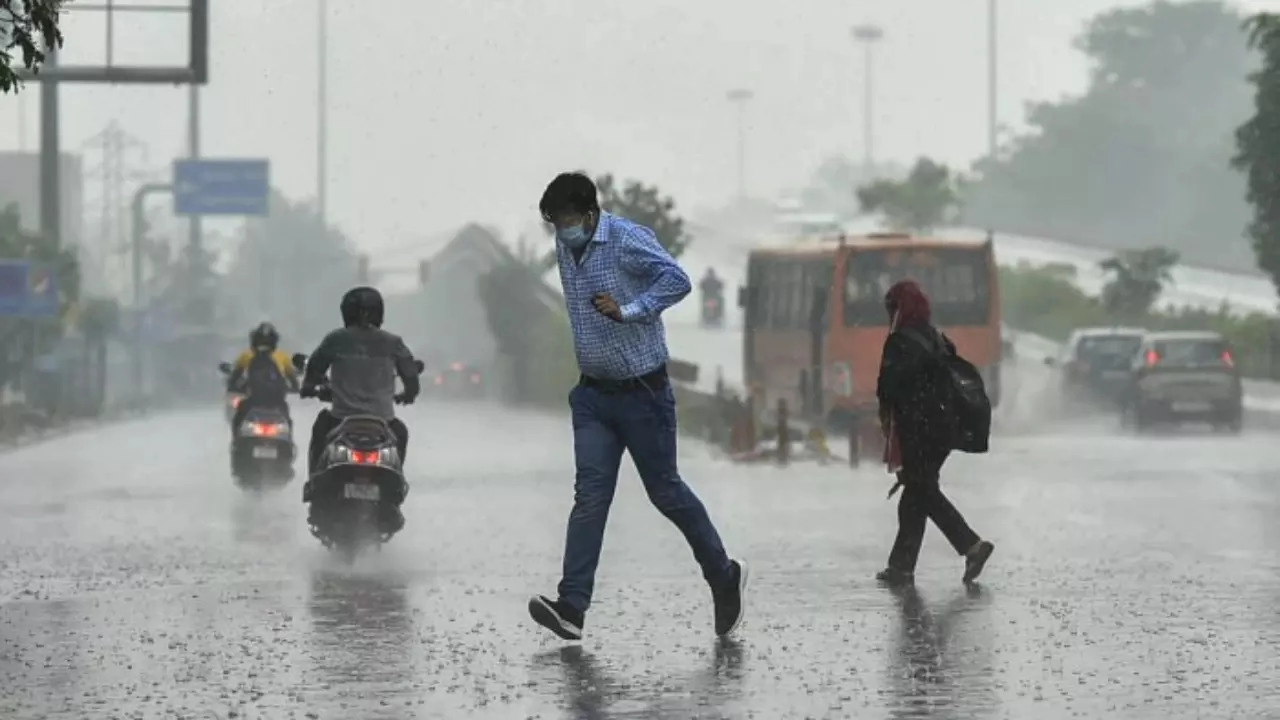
{"x":363,"y":363}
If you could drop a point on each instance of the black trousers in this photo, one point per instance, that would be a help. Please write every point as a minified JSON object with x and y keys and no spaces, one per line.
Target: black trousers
{"x":327,"y":421}
{"x":922,"y":500}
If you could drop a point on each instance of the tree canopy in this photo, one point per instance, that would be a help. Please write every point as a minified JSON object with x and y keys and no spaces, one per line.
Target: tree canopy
{"x":1143,"y":155}
{"x":646,"y":205}
{"x":27,"y":28}
{"x":1258,"y":146}
{"x":292,"y":270}
{"x":1137,"y":279}
{"x":925,"y":199}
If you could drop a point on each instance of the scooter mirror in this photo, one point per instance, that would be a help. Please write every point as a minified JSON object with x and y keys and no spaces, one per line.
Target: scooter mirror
{"x":224,"y":368}
{"x":299,"y":361}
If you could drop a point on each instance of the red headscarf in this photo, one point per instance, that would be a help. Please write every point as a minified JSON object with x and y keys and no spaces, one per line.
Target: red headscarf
{"x":907,"y":304}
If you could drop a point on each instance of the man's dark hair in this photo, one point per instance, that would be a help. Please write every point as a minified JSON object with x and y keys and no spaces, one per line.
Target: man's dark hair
{"x":569,"y":193}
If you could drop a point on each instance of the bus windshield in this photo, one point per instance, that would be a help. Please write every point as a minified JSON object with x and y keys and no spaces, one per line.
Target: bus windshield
{"x":955,"y":279}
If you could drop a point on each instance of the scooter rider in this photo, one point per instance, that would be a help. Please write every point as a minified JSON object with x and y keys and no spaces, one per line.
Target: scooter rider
{"x":711,"y":285}
{"x":362,"y":361}
{"x":263,"y":373}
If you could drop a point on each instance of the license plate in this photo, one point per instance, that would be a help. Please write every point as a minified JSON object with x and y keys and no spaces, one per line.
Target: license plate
{"x":265,"y":452}
{"x":362,"y":491}
{"x":1191,"y":406}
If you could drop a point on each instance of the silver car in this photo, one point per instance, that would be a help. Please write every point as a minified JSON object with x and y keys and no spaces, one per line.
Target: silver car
{"x":1185,"y":377}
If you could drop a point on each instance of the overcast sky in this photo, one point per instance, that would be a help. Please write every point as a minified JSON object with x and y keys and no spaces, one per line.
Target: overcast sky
{"x":445,"y":111}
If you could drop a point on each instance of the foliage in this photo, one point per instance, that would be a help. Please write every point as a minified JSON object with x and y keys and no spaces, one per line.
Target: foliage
{"x":918,"y":203}
{"x":1137,"y":279}
{"x":17,"y":243}
{"x":1044,"y":300}
{"x":553,"y":368}
{"x":646,"y":205}
{"x":99,"y":318}
{"x":1258,"y":146}
{"x":28,"y":27}
{"x":1144,"y":152}
{"x":290,"y":269}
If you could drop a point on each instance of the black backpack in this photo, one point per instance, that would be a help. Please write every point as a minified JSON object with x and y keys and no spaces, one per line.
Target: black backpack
{"x":963,"y":395}
{"x":263,"y":378}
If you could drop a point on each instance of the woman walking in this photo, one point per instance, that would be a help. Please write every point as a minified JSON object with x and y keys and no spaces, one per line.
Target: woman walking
{"x":917,"y":435}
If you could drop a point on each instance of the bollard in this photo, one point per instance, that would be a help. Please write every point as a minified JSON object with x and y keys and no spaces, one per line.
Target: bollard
{"x":855,"y":446}
{"x":784,"y":434}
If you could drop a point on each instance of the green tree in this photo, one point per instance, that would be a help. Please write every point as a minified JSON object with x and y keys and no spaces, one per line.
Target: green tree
{"x":27,"y":27}
{"x":291,"y":269}
{"x":646,"y":205}
{"x":1258,"y":146}
{"x":1137,"y":279}
{"x":1144,"y":151}
{"x":920,"y":202}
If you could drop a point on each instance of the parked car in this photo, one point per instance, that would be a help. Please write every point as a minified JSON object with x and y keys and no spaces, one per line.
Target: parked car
{"x":1178,"y":377}
{"x":1095,"y":362}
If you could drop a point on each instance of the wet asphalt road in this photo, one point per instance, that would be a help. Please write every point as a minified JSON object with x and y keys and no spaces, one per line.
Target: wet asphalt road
{"x":1133,"y":578}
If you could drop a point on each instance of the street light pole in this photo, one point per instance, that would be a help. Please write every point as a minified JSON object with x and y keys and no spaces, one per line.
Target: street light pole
{"x":993,"y":140}
{"x":868,"y":36}
{"x":740,"y":98}
{"x":322,"y":129}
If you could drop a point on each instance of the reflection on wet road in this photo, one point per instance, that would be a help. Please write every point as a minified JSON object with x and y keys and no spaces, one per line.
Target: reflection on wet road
{"x":1133,"y":578}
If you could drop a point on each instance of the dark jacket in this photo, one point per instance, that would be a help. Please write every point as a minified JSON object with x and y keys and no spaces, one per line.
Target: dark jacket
{"x":363,"y":363}
{"x":908,"y":388}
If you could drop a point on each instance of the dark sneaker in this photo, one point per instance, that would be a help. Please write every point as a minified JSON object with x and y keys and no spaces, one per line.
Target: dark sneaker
{"x":729,"y":601}
{"x":895,"y":577}
{"x":976,"y":559}
{"x":557,"y":616}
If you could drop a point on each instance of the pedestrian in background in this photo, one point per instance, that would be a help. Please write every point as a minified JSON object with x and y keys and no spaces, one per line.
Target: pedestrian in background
{"x":918,"y":438}
{"x":618,"y":279}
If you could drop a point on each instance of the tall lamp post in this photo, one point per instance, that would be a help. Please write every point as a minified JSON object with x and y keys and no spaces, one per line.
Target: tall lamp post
{"x":993,"y":140}
{"x":867,"y":36}
{"x":740,"y":97}
{"x":322,"y":111}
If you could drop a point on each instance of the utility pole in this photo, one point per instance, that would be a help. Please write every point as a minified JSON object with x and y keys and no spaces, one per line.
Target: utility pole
{"x":195,"y":240}
{"x":50,"y":156}
{"x":993,"y":122}
{"x":740,"y":97}
{"x":868,"y":36}
{"x":322,"y":110}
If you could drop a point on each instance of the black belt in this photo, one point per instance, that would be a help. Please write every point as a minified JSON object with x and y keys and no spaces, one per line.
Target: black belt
{"x":650,"y":381}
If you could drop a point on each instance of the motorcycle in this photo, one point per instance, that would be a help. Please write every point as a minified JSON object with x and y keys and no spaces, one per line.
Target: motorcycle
{"x":354,"y":482}
{"x":262,"y":448}
{"x":712,"y":311}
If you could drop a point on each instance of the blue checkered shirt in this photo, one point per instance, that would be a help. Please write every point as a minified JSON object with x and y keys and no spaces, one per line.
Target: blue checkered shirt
{"x":627,"y":261}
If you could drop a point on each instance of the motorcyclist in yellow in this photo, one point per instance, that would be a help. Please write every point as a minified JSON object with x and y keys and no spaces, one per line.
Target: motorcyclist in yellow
{"x":264,"y":373}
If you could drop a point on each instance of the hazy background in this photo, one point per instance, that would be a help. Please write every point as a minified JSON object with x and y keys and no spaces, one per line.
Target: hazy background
{"x":445,"y":112}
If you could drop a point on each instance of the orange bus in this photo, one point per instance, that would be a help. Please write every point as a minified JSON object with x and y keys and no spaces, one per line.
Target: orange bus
{"x":815,"y":323}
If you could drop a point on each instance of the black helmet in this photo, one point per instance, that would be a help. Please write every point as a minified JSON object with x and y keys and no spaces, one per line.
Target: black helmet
{"x":264,"y":335}
{"x":362,"y":306}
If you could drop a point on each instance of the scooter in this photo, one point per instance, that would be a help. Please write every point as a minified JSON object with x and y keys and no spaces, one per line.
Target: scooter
{"x":357,"y":485}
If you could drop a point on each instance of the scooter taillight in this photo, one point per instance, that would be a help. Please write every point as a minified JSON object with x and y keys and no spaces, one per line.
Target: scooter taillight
{"x":365,"y":457}
{"x":265,"y":429}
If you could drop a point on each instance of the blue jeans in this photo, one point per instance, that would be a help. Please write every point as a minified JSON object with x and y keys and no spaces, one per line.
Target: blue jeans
{"x":644,"y":424}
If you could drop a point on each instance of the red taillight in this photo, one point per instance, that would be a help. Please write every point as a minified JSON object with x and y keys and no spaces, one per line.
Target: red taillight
{"x":263,"y":430}
{"x":456,"y":367}
{"x":1227,"y":359}
{"x":366,"y":457}
{"x":1153,"y":358}
{"x":235,"y":402}
{"x":439,"y":379}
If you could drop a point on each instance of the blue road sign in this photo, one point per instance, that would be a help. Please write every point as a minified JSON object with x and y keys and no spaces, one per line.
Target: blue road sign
{"x":28,"y":290}
{"x":221,"y":187}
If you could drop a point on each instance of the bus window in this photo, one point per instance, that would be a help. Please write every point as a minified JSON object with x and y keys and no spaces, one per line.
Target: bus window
{"x":956,"y":280}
